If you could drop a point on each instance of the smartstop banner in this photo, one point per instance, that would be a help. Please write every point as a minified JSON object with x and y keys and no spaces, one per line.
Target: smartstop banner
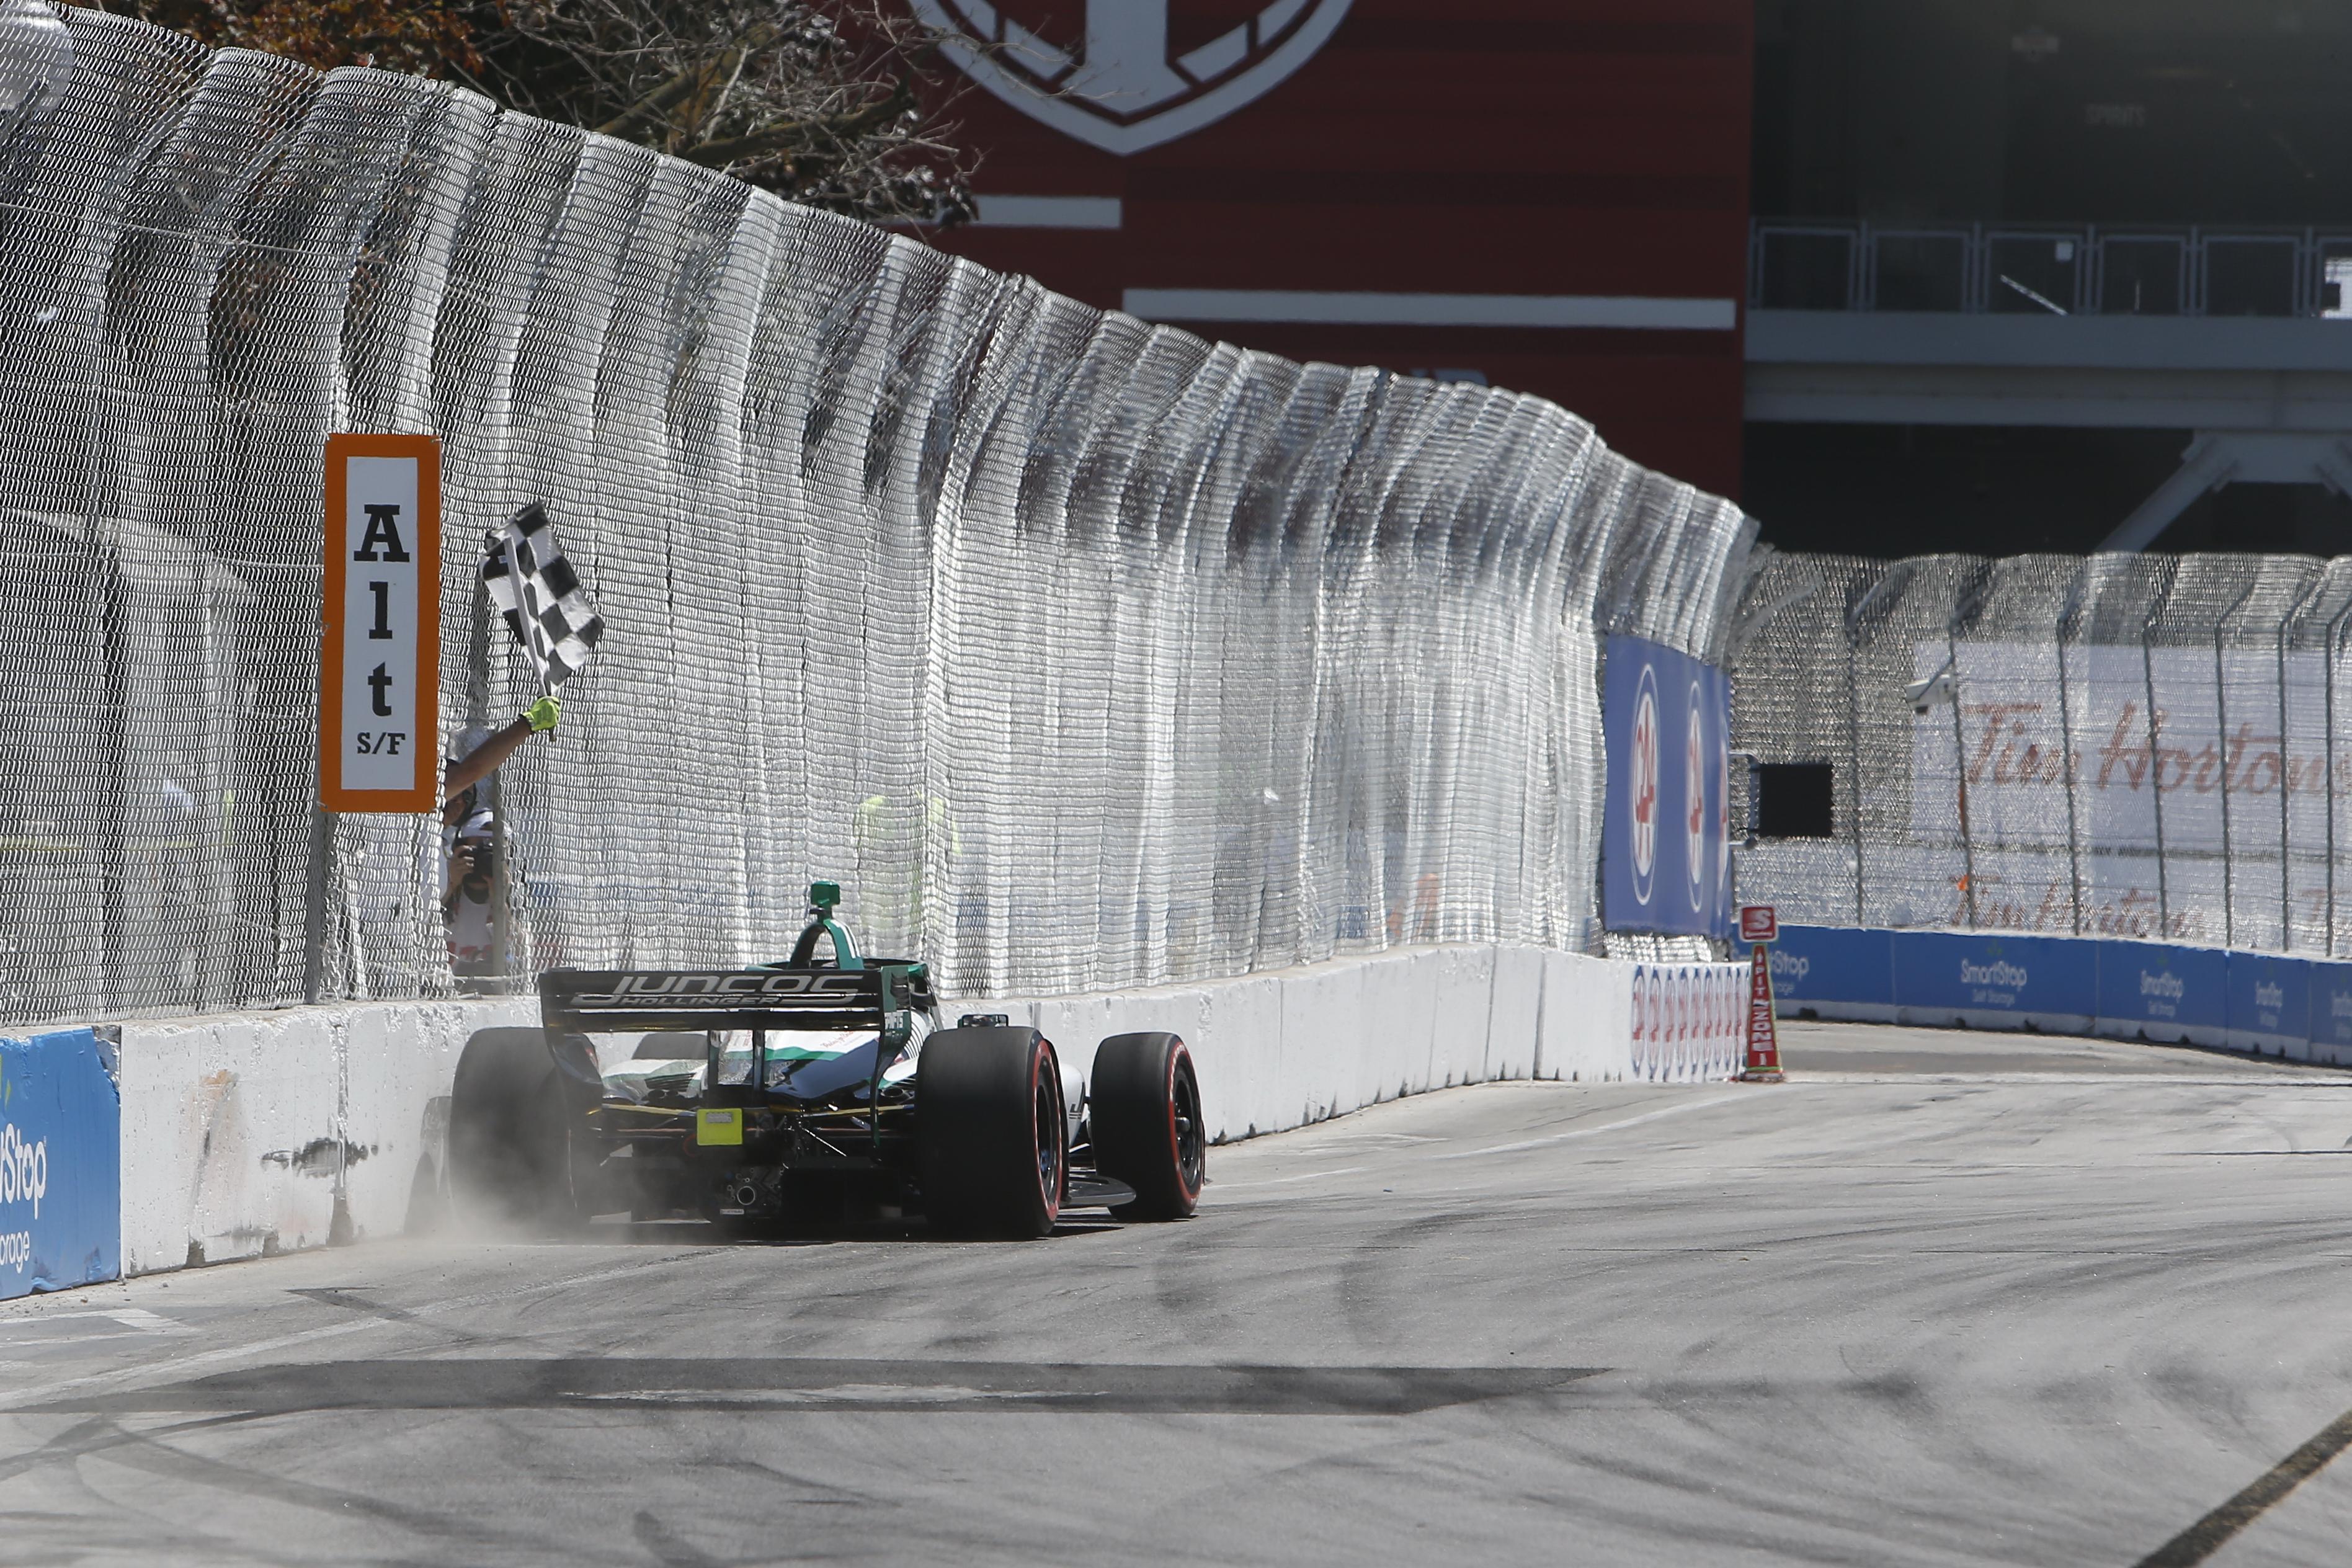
{"x":2164,"y":992}
{"x":60,"y":1164}
{"x":1665,"y":846}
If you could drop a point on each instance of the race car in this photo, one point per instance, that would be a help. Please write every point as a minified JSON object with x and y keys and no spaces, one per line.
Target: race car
{"x":818,"y":1088}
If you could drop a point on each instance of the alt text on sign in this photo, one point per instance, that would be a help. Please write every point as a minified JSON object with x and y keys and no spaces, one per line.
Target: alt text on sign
{"x":379,"y":659}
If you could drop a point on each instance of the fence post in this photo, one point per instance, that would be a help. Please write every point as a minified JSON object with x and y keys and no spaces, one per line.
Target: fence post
{"x":1853,"y":766}
{"x":2327,"y":688}
{"x":2154,"y":769}
{"x":1960,"y":776}
{"x":2286,"y":796}
{"x":502,"y":934}
{"x":314,"y":907}
{"x":2066,"y":618}
{"x":2221,"y":726}
{"x":1854,"y":729}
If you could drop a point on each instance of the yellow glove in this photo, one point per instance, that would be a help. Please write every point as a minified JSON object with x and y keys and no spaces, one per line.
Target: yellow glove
{"x":543,"y":714}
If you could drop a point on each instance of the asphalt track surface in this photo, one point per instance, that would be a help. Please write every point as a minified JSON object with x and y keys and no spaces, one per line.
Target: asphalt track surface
{"x":1940,"y":1299}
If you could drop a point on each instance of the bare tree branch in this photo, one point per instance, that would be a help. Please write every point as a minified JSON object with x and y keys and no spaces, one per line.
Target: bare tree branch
{"x":837,"y":103}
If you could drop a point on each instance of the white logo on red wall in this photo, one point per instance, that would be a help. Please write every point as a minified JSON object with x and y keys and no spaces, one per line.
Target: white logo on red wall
{"x":1695,"y":801}
{"x":1642,"y":799}
{"x":1126,"y":79}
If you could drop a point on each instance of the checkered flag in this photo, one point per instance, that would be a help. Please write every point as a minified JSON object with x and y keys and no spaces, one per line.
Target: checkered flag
{"x":534,"y":585}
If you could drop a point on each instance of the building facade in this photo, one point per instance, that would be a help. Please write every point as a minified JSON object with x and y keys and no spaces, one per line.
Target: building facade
{"x":1551,"y":195}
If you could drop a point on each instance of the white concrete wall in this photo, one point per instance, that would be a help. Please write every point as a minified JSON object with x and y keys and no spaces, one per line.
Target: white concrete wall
{"x":1289,"y":1047}
{"x":240,"y":1131}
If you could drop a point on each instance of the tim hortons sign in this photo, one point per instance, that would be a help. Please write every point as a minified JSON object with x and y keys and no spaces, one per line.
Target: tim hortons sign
{"x":2121,"y":749}
{"x":1117,"y":84}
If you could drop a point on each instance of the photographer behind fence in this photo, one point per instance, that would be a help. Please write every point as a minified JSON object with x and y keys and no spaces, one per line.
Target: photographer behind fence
{"x":468,"y":900}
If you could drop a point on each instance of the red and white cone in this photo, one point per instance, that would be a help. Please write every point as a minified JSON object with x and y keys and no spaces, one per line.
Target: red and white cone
{"x":1763,"y":1034}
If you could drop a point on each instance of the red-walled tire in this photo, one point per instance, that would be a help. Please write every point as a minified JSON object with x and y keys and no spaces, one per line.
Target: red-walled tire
{"x":991,"y":1150}
{"x":1145,"y":1108}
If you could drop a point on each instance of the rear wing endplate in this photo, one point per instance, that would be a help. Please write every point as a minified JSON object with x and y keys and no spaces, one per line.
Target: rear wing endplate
{"x":592,"y":1000}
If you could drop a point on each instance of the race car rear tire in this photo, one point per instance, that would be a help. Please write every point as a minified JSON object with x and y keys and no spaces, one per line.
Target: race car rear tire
{"x":991,"y":1146}
{"x":511,"y":1156}
{"x":1144,"y":1102}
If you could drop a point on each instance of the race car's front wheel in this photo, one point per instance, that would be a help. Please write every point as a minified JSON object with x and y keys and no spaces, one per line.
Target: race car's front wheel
{"x":990,"y":1134}
{"x":1145,"y":1105}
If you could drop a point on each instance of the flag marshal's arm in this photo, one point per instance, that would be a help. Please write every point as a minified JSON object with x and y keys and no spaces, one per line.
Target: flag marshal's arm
{"x":464,"y":773}
{"x":545,"y":605}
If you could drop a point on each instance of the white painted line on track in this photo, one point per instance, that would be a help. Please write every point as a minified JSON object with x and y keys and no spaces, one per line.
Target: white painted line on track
{"x":139,"y":1320}
{"x":2135,"y":1079}
{"x":1548,"y":1140}
{"x":18,"y":1399}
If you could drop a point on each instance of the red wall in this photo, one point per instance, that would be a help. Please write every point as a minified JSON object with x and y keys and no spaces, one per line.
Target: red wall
{"x":1554,"y":147}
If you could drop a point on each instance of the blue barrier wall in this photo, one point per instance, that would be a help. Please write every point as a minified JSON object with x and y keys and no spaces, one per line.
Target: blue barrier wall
{"x":2164,"y":992}
{"x":2270,"y":1002}
{"x":2158,"y":991}
{"x":1850,"y":970}
{"x":60,"y":1164}
{"x":2329,"y":1017}
{"x":1946,"y":977}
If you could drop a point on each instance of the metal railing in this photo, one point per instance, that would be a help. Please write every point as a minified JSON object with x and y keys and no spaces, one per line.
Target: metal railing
{"x":2085,"y":269}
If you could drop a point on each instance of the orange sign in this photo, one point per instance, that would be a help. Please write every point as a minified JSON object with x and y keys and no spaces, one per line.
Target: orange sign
{"x":379,"y":626}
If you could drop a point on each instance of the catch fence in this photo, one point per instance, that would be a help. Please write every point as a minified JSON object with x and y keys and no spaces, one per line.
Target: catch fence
{"x":1086,"y":652}
{"x":2127,"y":745}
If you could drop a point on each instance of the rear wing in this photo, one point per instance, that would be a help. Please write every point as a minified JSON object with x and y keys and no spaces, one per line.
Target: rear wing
{"x":595,"y":1001}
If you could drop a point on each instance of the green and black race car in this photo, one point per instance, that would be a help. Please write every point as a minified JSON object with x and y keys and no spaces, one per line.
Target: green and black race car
{"x":811,"y":1090}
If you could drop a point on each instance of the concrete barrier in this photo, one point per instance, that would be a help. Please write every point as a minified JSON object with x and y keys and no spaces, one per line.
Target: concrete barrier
{"x":246,"y":1135}
{"x":2167,"y":993}
{"x":1287,"y":1048}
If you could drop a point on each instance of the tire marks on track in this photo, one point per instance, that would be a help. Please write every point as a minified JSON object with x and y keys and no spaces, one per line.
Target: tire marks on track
{"x":477,"y":1383}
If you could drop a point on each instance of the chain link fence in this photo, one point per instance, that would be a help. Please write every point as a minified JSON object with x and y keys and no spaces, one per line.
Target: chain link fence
{"x":2127,"y":745}
{"x":1087,"y":653}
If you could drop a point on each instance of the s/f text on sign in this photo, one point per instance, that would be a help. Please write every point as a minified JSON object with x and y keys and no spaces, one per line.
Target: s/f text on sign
{"x":380,"y":618}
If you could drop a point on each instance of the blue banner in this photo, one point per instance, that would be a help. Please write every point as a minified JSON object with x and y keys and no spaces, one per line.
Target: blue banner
{"x":1831,"y":964}
{"x":60,"y":1165}
{"x":2270,"y":1000}
{"x":2056,"y":978}
{"x":2330,"y":1017}
{"x":2168,"y":991}
{"x":2249,"y":1000}
{"x":1664,"y":844}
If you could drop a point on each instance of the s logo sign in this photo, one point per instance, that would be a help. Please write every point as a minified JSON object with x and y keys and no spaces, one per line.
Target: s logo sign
{"x":1119,"y":87}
